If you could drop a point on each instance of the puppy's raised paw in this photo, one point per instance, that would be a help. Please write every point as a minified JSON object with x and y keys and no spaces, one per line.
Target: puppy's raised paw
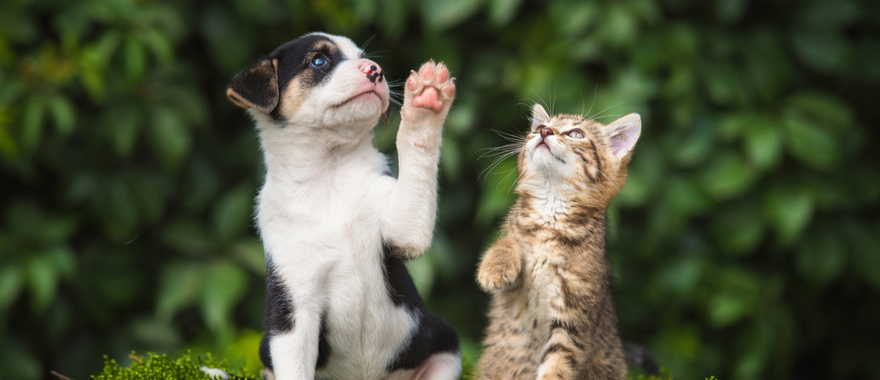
{"x":429,"y":89}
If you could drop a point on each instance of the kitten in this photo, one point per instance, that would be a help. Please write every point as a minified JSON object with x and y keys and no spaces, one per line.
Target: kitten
{"x":552,"y":313}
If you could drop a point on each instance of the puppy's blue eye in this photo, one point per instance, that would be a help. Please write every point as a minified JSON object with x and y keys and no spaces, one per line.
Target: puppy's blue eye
{"x":318,"y":61}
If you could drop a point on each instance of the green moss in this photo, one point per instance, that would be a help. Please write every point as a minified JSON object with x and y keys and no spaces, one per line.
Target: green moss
{"x":663,"y":375}
{"x":161,"y":367}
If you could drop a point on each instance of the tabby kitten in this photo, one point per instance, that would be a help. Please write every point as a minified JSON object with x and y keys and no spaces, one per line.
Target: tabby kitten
{"x":552,"y":313}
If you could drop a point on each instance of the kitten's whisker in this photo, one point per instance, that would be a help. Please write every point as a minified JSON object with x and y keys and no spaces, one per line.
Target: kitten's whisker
{"x":505,"y":177}
{"x":515,"y":181}
{"x":604,"y":116}
{"x":485,"y":173}
{"x":595,"y":91}
{"x":609,"y":180}
{"x":600,"y":112}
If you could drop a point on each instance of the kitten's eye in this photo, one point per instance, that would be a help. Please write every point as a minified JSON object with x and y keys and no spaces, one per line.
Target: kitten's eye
{"x":575,"y":134}
{"x":318,"y":61}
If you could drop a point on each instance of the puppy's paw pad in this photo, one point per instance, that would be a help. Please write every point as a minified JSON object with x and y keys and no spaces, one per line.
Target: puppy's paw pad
{"x":431,"y":87}
{"x":430,"y":99}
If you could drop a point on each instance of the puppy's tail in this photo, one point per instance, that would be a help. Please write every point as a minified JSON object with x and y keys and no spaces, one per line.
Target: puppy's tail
{"x":640,"y":357}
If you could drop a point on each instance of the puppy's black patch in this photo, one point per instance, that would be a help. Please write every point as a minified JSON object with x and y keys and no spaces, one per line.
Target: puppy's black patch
{"x":277,"y":313}
{"x":323,"y":343}
{"x":294,"y":60}
{"x":433,"y":335}
{"x":265,"y":355}
{"x":279,"y":308}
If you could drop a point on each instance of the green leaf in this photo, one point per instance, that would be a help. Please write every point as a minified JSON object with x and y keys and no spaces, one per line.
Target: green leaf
{"x":727,"y":175}
{"x":250,"y":253}
{"x":821,"y":110}
{"x":757,"y":350}
{"x":736,"y":296}
{"x":824,"y":51}
{"x":223,"y":288}
{"x":821,"y":257}
{"x":864,"y":243}
{"x":169,"y":136}
{"x":11,"y":281}
{"x":392,"y":17}
{"x":439,"y":15}
{"x":179,"y":285}
{"x":738,"y":228}
{"x":692,"y":148}
{"x":160,"y":45}
{"x":188,"y":237}
{"x":763,"y":144}
{"x":135,"y":59}
{"x":124,"y":125}
{"x":42,"y":280}
{"x":501,"y":12}
{"x":32,"y":125}
{"x":63,"y":113}
{"x":730,"y":11}
{"x":812,"y":145}
{"x":724,"y":84}
{"x":234,"y":212}
{"x":788,"y":209}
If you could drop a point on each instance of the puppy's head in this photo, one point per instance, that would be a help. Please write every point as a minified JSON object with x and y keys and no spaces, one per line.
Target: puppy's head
{"x":317,"y":80}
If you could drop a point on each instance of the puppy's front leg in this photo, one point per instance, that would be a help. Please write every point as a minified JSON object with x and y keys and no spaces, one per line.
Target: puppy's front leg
{"x":295,"y":352}
{"x":408,"y":221}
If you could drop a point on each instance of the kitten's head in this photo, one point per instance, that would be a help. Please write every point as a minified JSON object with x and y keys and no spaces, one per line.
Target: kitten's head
{"x":581,"y":159}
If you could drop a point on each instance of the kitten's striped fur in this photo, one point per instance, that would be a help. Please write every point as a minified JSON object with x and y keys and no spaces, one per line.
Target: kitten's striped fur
{"x":552,"y":313}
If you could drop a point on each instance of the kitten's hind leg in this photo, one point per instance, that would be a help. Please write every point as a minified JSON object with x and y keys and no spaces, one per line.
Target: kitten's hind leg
{"x":501,"y":265}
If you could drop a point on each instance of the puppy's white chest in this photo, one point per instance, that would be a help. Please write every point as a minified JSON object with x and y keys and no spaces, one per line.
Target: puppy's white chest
{"x":315,"y":219}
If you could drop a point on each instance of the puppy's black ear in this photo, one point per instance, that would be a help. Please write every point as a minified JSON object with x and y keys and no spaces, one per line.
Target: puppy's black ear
{"x":386,"y":116}
{"x":256,"y":87}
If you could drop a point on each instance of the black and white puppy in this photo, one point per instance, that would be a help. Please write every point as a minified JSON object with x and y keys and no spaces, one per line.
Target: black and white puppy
{"x":336,"y":225}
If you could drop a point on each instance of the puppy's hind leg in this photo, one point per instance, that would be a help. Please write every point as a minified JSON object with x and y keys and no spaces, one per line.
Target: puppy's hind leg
{"x":440,"y":366}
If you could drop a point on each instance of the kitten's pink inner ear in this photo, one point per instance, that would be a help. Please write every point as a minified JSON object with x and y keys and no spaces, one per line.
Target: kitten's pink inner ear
{"x":624,"y":134}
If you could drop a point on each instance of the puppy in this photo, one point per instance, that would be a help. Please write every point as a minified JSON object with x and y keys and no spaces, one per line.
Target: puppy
{"x":336,"y":225}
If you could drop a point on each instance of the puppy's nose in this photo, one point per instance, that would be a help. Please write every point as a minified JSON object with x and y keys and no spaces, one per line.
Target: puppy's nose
{"x":373,"y":71}
{"x":546,"y":132}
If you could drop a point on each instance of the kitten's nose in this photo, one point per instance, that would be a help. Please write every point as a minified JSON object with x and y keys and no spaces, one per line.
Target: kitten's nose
{"x":546,"y":132}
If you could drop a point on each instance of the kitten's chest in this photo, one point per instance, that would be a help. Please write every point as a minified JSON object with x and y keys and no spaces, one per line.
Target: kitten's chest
{"x":542,"y":269}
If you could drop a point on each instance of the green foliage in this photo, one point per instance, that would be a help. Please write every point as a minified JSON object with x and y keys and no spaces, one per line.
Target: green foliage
{"x":162,"y":367}
{"x":746,"y":240}
{"x":663,"y":375}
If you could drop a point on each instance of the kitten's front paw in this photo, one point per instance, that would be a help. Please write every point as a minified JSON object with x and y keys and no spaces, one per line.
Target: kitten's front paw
{"x":497,"y":275}
{"x":430,"y":91}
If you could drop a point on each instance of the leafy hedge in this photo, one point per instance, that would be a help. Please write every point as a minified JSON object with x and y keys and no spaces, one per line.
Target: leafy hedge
{"x":746,"y":240}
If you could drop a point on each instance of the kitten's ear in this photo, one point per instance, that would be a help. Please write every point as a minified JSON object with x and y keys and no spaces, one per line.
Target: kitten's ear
{"x":256,"y":87}
{"x":623,"y":134}
{"x":539,"y":116}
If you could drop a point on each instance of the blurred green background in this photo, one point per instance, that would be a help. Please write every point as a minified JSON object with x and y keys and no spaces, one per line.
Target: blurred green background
{"x":746,"y":242}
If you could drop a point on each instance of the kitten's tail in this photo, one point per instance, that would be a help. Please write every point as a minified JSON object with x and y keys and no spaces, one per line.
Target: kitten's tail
{"x":640,"y":357}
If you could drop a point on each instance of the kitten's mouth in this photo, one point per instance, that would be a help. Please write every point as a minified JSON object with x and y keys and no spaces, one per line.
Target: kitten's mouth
{"x":543,"y":144}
